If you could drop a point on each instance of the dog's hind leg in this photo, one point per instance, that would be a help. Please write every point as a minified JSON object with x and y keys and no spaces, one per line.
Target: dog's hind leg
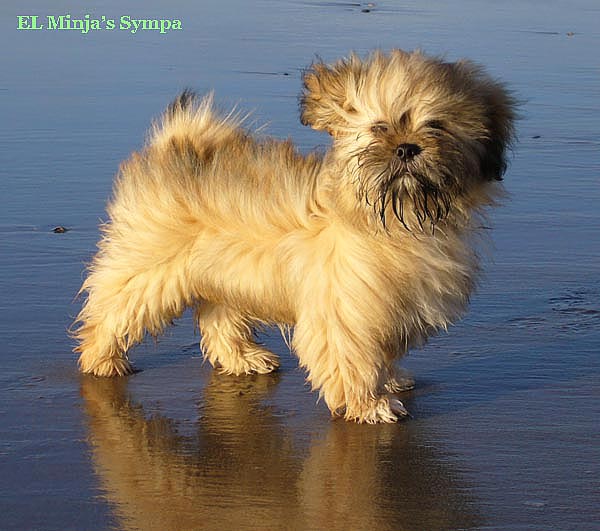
{"x":129,"y":293}
{"x":228,"y":342}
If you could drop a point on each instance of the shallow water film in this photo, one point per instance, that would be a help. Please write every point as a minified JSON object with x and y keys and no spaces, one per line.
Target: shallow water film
{"x":506,"y":411}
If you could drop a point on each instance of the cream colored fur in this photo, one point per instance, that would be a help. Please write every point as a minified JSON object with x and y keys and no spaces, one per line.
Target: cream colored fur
{"x":249,"y":232}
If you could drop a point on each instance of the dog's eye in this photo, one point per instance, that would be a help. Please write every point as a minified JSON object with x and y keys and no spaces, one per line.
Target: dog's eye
{"x":435,"y":124}
{"x":379,"y":128}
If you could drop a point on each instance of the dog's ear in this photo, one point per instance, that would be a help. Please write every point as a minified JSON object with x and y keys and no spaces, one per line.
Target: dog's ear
{"x":325,"y":102}
{"x":500,"y":115}
{"x":501,"y":110}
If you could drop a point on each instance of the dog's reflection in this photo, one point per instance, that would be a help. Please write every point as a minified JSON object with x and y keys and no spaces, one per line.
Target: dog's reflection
{"x":248,"y":468}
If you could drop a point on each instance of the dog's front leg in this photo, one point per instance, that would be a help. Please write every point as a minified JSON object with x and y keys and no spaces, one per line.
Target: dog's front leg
{"x":346,"y":362}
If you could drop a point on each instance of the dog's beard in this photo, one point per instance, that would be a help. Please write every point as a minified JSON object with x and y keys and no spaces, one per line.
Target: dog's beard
{"x":389,"y":185}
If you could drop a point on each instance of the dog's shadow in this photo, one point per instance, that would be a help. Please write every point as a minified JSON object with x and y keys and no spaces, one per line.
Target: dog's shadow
{"x":246,"y":467}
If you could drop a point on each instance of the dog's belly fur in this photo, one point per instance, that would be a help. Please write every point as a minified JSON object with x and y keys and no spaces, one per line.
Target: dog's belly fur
{"x":256,"y":246}
{"x":271,"y":258}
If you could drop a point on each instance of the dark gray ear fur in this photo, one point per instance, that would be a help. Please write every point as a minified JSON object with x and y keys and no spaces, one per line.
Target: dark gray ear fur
{"x":501,"y":107}
{"x":501,"y":113}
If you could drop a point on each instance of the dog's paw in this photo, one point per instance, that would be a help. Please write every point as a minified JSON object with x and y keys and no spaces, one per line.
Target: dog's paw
{"x":115,"y":366}
{"x":261,"y":361}
{"x":254,"y":361}
{"x":381,"y":410}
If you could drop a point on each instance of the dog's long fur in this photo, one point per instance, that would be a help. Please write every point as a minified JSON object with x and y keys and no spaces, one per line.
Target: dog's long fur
{"x":363,"y":253}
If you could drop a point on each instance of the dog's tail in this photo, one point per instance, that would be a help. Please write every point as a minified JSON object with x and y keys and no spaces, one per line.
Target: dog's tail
{"x":192,"y":117}
{"x":182,"y":103}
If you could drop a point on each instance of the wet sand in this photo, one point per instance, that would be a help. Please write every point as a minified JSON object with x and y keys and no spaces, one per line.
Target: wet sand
{"x":505,"y":427}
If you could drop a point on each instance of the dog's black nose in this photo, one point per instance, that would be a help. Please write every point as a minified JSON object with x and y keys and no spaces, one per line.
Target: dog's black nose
{"x":407,"y":152}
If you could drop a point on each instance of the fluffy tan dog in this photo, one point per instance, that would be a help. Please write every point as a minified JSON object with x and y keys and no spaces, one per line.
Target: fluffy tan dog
{"x":365,"y":251}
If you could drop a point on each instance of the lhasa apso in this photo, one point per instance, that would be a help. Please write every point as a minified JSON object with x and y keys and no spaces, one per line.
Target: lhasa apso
{"x":365,"y":250}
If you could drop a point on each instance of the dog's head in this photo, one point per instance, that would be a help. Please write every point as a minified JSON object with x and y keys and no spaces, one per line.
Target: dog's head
{"x":413,"y":132}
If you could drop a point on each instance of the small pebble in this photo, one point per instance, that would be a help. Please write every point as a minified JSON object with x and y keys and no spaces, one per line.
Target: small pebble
{"x":535,"y":503}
